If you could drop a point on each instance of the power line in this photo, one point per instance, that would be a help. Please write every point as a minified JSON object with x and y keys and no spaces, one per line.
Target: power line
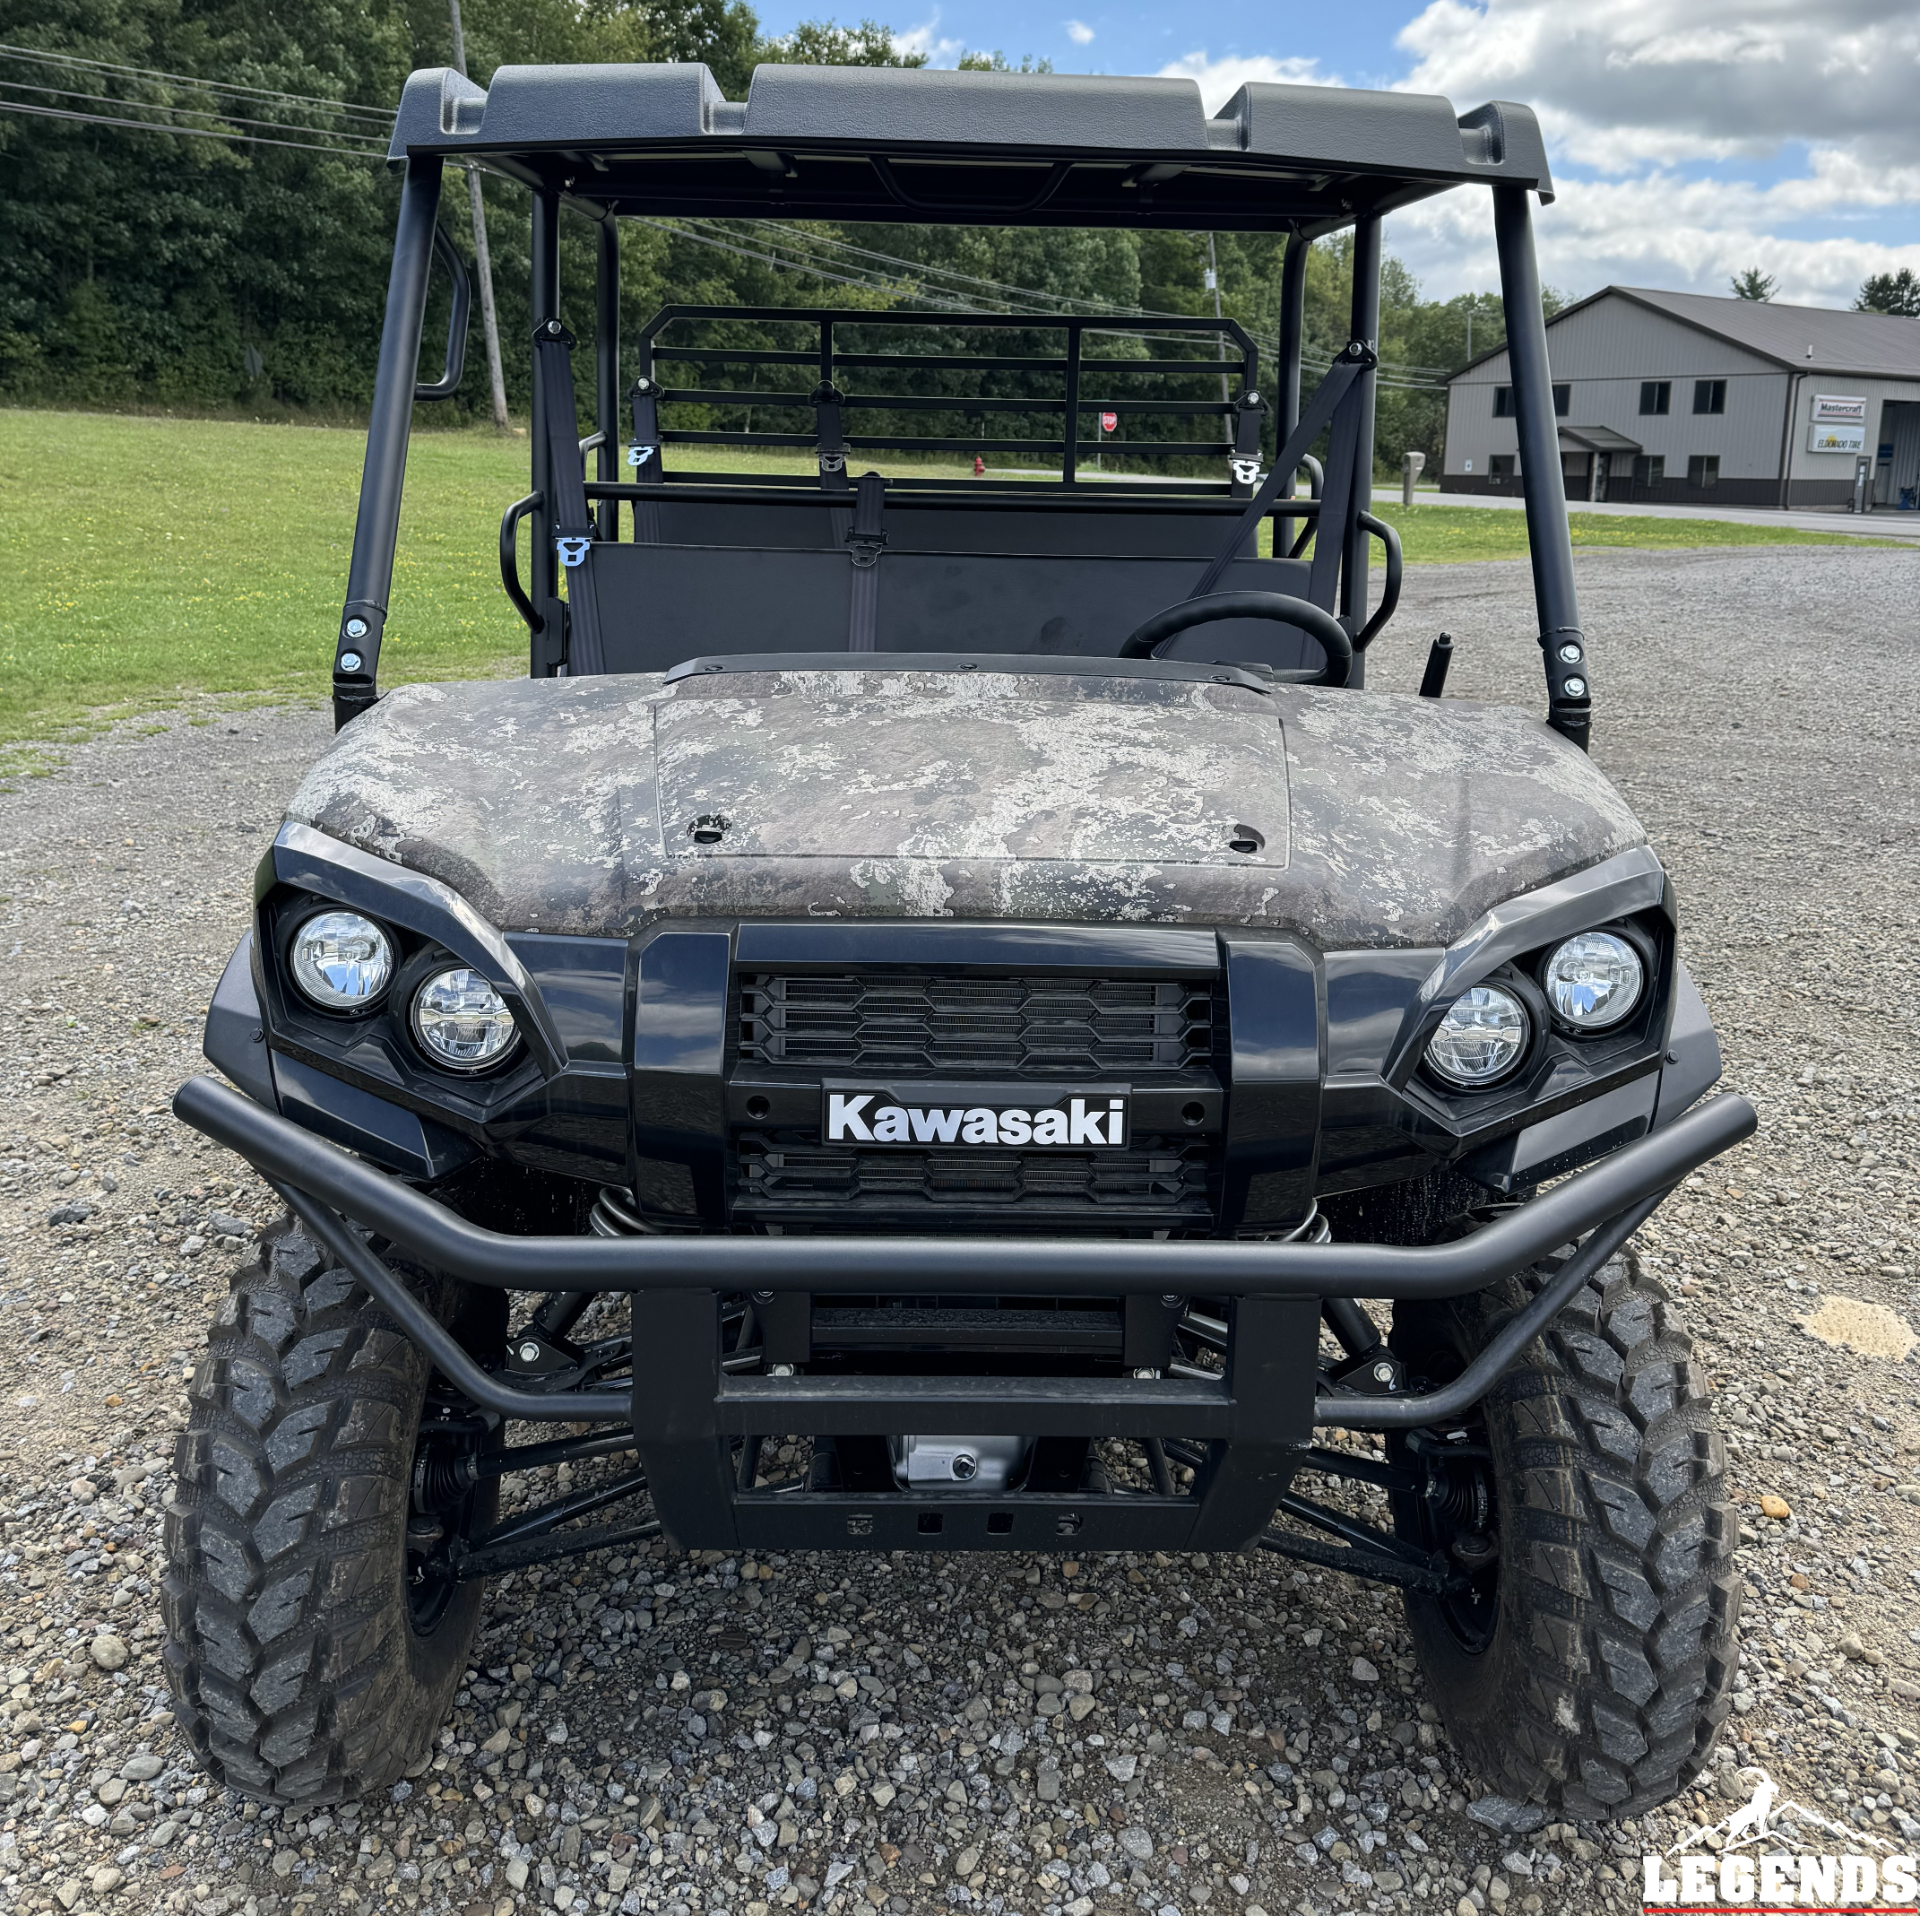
{"x":193,"y":132}
{"x":367,"y":140}
{"x":39,"y":56}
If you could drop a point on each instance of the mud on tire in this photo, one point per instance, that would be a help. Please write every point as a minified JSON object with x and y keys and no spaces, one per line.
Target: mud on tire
{"x":297,"y":1668}
{"x":1610,"y":1662}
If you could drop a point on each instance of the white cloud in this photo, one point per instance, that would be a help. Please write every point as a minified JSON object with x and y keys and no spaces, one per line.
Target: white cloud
{"x":1813,"y":105}
{"x":1660,"y":230}
{"x":1675,"y":79}
{"x":1221,"y":79}
{"x":940,"y":50}
{"x":1080,"y":33}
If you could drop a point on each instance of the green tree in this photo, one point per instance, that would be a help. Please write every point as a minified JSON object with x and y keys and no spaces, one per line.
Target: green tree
{"x":1753,"y":284}
{"x":1897,"y":293}
{"x":823,"y":43}
{"x":997,"y":62}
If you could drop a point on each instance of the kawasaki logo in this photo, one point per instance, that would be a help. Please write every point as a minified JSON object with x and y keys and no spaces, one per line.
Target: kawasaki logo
{"x":1098,"y":1120}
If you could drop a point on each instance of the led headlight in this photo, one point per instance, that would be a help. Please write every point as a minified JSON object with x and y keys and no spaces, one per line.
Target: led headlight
{"x":1482,"y":1037}
{"x":1594,"y":980}
{"x":461,"y":1021}
{"x":341,"y":960}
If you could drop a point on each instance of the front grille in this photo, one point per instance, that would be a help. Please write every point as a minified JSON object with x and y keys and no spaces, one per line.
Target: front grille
{"x":793,"y":1174}
{"x":907,"y":1023}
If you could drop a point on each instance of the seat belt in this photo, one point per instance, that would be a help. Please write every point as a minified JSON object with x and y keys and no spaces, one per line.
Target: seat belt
{"x":865,"y":538}
{"x":1356,"y":357}
{"x":573,"y":528}
{"x":646,"y":459}
{"x":830,"y":436}
{"x":1336,"y":495}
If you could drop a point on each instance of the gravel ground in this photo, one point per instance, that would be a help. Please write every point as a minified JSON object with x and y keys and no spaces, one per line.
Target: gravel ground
{"x":1033,"y":1736}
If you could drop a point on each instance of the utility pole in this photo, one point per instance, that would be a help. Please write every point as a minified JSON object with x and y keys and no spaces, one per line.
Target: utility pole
{"x":482,"y":258}
{"x":1219,"y":344}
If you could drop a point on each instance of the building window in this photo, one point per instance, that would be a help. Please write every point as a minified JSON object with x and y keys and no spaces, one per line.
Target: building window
{"x":1656,"y":395}
{"x":1703,"y":470}
{"x":1503,"y":401}
{"x":1500,"y":467}
{"x":1650,"y":469}
{"x":1709,"y":395}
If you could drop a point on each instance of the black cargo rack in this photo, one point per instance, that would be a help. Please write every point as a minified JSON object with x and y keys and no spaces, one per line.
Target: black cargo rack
{"x":1236,"y":366}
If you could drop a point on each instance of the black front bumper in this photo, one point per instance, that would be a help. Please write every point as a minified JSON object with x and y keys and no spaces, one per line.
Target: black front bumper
{"x":1256,"y":1419}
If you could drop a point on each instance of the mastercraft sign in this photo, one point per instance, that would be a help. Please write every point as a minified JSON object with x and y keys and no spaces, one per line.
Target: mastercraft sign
{"x":1839,"y":423}
{"x":1834,"y":409}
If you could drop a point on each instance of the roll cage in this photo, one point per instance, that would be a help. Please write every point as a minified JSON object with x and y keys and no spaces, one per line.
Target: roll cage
{"x":1000,"y":564}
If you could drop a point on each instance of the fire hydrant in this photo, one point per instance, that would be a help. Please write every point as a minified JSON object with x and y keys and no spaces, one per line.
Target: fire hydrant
{"x":979,"y":467}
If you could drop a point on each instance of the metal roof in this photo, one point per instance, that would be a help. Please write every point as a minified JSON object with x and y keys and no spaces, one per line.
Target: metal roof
{"x":1814,"y":339}
{"x":1820,"y":339}
{"x":891,"y":143}
{"x":1596,"y":439}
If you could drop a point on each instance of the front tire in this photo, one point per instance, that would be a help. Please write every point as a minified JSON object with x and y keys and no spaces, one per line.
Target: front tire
{"x":309,"y":1661}
{"x":1594,"y":1672}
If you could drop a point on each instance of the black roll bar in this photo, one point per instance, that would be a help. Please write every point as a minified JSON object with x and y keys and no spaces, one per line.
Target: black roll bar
{"x":606,"y":367}
{"x":1549,"y":544}
{"x":376,"y":527}
{"x":1363,"y":325}
{"x":1293,"y":328}
{"x":397,"y":385}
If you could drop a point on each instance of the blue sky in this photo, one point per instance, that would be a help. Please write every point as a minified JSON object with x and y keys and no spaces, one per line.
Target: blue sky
{"x":1691,"y":138}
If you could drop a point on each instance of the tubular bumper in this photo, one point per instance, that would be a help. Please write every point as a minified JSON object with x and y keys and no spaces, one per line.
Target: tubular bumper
{"x":932,"y":1266}
{"x":1256,"y":1419}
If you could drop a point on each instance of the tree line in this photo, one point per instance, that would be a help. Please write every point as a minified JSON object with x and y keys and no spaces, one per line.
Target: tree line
{"x":194,"y":214}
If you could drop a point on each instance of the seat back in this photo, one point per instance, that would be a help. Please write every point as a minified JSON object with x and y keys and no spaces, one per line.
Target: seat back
{"x":778,"y":575}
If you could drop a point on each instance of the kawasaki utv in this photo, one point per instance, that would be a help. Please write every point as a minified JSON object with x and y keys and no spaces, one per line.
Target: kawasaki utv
{"x":941,"y":1015}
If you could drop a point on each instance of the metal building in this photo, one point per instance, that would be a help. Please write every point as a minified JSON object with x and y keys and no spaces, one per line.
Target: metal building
{"x":1681,"y":398}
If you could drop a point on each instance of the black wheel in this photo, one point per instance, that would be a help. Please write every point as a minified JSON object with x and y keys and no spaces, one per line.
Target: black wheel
{"x":1587,"y":1660}
{"x":314,"y":1636}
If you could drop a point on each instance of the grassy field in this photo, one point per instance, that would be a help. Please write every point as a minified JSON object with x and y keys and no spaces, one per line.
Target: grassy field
{"x":145,"y":559}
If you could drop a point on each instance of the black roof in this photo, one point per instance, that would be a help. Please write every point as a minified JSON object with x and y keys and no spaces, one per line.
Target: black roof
{"x":1028,"y":149}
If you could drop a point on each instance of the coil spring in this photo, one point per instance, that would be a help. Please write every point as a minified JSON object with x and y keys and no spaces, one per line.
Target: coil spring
{"x":1459,"y":1495}
{"x":441,"y":1478}
{"x":616,"y":1214}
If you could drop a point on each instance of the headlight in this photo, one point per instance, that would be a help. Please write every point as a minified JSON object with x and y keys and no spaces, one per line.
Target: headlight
{"x":1594,"y":980}
{"x":341,"y":960}
{"x":1482,"y":1037}
{"x":461,"y":1021}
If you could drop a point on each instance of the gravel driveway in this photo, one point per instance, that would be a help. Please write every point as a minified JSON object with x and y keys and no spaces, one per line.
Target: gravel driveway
{"x":849,"y":1733}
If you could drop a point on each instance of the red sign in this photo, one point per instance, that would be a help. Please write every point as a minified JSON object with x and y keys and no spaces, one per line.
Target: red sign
{"x":1109,"y":422}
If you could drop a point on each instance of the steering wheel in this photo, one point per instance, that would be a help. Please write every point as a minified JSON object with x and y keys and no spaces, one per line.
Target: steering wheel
{"x":1322,"y":627}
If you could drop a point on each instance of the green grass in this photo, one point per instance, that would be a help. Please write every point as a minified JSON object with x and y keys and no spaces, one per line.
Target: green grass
{"x":1451,"y":534}
{"x":149,"y":559}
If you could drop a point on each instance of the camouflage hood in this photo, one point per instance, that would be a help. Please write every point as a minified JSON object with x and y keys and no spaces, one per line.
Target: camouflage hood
{"x":597,"y":805}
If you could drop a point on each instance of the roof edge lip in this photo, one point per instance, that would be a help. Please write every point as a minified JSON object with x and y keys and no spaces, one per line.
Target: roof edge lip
{"x":532,"y":110}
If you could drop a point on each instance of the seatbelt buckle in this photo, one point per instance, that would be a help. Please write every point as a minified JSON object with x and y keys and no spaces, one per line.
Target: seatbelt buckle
{"x":638,"y":455}
{"x":572,"y":547}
